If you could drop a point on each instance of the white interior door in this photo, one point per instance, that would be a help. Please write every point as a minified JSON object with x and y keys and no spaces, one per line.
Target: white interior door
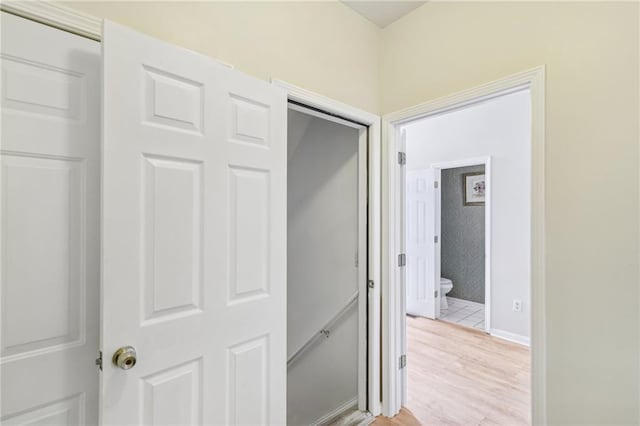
{"x":420,"y":240}
{"x":194,"y":247}
{"x":50,"y":221}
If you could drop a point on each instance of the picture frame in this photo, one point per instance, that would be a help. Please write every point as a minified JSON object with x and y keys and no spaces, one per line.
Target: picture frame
{"x":474,"y":189}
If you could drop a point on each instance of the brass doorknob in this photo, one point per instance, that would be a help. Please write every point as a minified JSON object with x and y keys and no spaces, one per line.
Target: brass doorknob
{"x":125,"y":357}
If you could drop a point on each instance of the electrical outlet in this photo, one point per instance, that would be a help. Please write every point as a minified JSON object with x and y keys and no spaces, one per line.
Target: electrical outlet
{"x":517,"y":305}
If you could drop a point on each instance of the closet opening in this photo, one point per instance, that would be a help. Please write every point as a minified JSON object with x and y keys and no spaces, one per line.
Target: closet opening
{"x":326,"y":266}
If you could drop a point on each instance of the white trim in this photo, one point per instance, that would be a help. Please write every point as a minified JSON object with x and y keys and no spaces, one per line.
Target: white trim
{"x":56,"y":15}
{"x":486,"y":162}
{"x":512,"y":337}
{"x":459,"y":100}
{"x":466,"y":162}
{"x":333,"y":415}
{"x":371,"y":327}
{"x":315,"y":100}
{"x":534,"y":79}
{"x":402,"y":342}
{"x":363,"y":141}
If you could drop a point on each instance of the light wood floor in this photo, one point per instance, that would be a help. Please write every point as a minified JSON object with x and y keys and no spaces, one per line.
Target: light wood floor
{"x":403,"y":418}
{"x":461,"y":376}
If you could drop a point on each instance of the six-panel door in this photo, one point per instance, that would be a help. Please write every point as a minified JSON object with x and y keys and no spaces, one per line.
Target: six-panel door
{"x":194,"y":234}
{"x":50,"y":187}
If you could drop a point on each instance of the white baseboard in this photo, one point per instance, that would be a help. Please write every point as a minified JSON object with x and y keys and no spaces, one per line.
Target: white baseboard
{"x":333,"y":415}
{"x":512,"y":337}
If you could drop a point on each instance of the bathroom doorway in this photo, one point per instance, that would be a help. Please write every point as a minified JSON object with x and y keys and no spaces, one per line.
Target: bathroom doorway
{"x":459,"y":254}
{"x":464,"y":258}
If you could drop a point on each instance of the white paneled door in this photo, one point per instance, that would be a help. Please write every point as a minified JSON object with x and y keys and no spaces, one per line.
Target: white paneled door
{"x":50,"y":221}
{"x":422,"y":270}
{"x":194,"y":238}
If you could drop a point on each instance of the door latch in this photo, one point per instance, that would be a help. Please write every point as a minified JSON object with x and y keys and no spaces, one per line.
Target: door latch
{"x":99,"y":360}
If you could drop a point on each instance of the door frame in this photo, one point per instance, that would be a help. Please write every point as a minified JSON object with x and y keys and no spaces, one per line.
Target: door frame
{"x":361,"y":253}
{"x":480,"y":161}
{"x":393,"y":333}
{"x":369,"y":304}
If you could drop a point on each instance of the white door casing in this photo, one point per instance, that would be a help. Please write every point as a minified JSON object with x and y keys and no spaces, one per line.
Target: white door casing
{"x":373,"y":166}
{"x":194,"y":246}
{"x":420,"y":241}
{"x":50,"y":223}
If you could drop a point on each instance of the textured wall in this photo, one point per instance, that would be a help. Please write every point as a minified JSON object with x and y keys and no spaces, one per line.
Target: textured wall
{"x":462,"y":234}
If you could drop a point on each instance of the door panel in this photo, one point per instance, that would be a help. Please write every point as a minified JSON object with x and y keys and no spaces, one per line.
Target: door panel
{"x":194,"y":249}
{"x":172,"y":197}
{"x":420,"y":234}
{"x":50,"y":201}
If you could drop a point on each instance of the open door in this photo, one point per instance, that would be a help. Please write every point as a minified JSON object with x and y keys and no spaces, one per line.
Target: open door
{"x":50,"y":208}
{"x":422,"y":287}
{"x":194,"y":239}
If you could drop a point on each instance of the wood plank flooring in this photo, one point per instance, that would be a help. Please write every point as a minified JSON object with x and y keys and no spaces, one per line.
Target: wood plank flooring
{"x":462,"y":376}
{"x":403,"y":418}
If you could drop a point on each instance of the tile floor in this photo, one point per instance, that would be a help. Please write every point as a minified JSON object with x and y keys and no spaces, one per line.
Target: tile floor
{"x":464,"y":312}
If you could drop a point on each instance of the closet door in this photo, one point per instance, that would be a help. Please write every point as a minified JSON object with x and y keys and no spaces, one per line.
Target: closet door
{"x":194,"y":228}
{"x":50,"y":220}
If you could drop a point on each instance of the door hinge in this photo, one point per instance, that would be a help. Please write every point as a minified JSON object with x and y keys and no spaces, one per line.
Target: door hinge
{"x":357,"y":259}
{"x":435,"y":239}
{"x":99,"y":360}
{"x":402,"y":158}
{"x":435,"y":293}
{"x":402,"y":259}
{"x":370,"y":284}
{"x":435,"y":184}
{"x":403,"y":361}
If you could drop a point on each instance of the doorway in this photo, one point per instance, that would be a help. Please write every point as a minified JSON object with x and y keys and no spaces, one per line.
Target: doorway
{"x":443,"y":134}
{"x":367,"y":125}
{"x":463,"y":256}
{"x":326,"y":266}
{"x":461,"y":224}
{"x":448,"y":214}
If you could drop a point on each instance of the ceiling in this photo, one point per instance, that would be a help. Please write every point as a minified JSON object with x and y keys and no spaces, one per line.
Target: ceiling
{"x":383,"y":13}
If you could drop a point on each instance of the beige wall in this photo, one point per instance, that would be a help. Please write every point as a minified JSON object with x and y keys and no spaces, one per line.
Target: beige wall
{"x":321,"y":46}
{"x":591,"y":54}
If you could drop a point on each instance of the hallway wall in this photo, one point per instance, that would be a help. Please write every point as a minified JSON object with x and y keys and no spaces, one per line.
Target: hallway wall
{"x":321,"y":46}
{"x":591,"y":52}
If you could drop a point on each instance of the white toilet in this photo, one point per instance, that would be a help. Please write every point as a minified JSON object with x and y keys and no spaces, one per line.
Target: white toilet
{"x":446,"y":285}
